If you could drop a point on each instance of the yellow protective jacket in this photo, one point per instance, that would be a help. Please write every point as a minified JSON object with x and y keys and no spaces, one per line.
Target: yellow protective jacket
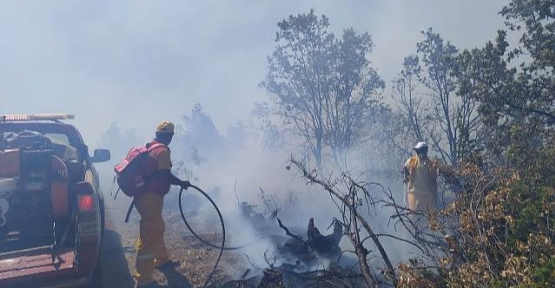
{"x":422,"y":177}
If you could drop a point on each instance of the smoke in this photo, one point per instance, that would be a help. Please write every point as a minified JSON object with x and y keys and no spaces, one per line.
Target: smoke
{"x":236,"y":168}
{"x":137,"y":63}
{"x":233,"y":168}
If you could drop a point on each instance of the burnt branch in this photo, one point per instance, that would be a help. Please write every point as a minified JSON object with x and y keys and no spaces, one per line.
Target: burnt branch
{"x":288,"y":233}
{"x":353,"y":218}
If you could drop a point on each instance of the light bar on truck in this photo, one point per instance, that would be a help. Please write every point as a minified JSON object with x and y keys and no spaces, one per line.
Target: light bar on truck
{"x":35,"y":117}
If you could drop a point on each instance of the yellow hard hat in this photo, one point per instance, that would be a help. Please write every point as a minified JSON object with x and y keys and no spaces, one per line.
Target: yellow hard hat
{"x":165,"y":127}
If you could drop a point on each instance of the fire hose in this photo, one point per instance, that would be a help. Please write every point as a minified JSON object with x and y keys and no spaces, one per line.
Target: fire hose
{"x":221,"y":248}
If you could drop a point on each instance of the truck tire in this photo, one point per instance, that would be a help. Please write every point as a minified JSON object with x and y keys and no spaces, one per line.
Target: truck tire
{"x":96,"y":279}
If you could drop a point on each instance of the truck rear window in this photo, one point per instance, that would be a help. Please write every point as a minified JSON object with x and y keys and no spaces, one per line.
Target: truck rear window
{"x":58,"y":137}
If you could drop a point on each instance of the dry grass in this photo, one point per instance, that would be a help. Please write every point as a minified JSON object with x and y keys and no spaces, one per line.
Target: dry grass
{"x":197,"y":259}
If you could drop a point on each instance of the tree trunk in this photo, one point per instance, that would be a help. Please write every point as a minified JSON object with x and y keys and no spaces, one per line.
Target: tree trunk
{"x":272,"y":279}
{"x":318,"y":153}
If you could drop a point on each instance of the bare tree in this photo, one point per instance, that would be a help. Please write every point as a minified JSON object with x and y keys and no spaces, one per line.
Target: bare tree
{"x":415,"y":112}
{"x":434,"y":108}
{"x":349,"y":204}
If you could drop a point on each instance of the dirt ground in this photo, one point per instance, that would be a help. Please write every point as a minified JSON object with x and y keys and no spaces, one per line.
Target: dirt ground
{"x":197,"y":260}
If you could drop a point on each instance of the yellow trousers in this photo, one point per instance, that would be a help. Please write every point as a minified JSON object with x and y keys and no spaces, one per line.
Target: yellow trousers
{"x":424,"y":203}
{"x":151,"y":249}
{"x":421,"y":202}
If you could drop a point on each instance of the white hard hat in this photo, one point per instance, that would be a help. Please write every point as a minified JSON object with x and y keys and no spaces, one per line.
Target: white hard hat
{"x":421,"y":146}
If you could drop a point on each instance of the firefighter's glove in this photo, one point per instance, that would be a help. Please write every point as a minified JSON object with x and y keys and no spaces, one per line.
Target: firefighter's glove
{"x":185,"y":184}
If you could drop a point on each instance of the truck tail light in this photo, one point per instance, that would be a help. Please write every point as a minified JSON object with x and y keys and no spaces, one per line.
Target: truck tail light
{"x":86,"y":203}
{"x":88,"y":222}
{"x":85,"y":197}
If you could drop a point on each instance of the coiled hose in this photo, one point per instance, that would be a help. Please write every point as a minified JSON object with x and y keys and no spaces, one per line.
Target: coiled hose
{"x":222,"y":247}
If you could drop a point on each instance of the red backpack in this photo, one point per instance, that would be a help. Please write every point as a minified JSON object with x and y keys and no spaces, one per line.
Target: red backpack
{"x":133,"y":171}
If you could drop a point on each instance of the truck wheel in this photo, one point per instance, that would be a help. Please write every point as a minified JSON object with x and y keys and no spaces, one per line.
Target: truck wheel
{"x":96,"y":280}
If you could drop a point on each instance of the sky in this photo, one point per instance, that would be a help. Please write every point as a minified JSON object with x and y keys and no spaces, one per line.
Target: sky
{"x":140,"y":62}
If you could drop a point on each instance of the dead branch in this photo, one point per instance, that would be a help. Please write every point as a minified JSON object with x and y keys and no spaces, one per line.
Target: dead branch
{"x":427,"y":243}
{"x":351,"y":205}
{"x":329,"y":277}
{"x":288,"y":233}
{"x":246,"y":273}
{"x":243,"y":283}
{"x":360,"y":250}
{"x":415,"y":244}
{"x":252,"y":263}
{"x":270,"y":261}
{"x":272,"y":279}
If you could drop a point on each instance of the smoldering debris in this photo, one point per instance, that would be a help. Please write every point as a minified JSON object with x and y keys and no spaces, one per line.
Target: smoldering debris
{"x":304,"y":256}
{"x":261,"y":223}
{"x":278,"y":278}
{"x":315,"y":248}
{"x":297,"y":260}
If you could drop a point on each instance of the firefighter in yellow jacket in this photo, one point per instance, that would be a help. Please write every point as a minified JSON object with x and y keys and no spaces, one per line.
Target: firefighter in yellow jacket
{"x":420,"y":175}
{"x":151,"y":250}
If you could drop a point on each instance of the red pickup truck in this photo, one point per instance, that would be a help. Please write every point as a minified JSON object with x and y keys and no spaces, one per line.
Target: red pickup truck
{"x":51,"y":207}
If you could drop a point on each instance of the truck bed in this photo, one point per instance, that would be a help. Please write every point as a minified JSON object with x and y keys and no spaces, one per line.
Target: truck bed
{"x":35,"y":265}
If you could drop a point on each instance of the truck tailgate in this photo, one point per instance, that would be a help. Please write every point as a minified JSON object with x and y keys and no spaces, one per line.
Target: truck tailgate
{"x":35,"y":265}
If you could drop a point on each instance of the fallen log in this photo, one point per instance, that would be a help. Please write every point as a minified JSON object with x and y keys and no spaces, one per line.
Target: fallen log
{"x":324,"y":245}
{"x":288,"y":233}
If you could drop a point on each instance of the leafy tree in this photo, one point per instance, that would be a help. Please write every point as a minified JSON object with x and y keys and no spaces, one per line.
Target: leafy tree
{"x":323,"y":87}
{"x":118,"y":140}
{"x":515,"y":87}
{"x":536,"y":20}
{"x":439,"y":61}
{"x":237,"y":136}
{"x":272,"y":135}
{"x":504,"y":234}
{"x":199,"y":139}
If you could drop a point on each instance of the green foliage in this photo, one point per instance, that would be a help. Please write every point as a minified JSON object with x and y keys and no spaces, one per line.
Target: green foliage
{"x":491,"y":117}
{"x":322,"y":87}
{"x":197,"y":139}
{"x":525,"y":210}
{"x":544,"y":276}
{"x":506,"y":213}
{"x":515,"y":92}
{"x":536,"y":19}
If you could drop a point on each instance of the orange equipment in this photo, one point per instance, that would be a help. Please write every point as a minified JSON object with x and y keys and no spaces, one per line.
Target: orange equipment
{"x":59,"y":183}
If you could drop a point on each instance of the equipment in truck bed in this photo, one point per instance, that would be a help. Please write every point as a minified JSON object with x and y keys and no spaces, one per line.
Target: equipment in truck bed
{"x":37,"y":200}
{"x":51,"y":209}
